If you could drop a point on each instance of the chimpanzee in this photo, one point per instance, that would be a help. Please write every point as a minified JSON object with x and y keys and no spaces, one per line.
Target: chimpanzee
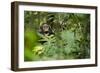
{"x":45,"y":29}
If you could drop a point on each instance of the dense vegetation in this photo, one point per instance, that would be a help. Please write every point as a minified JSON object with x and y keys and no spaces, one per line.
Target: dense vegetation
{"x":71,"y":38}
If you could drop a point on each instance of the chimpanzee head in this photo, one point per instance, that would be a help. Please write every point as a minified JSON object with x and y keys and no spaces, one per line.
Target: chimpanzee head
{"x":45,"y":29}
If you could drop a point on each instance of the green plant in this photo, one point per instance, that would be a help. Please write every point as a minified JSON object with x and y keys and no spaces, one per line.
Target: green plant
{"x":71,"y":38}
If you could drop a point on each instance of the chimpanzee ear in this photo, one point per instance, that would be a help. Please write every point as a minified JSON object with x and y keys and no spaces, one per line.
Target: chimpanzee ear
{"x":40,"y":28}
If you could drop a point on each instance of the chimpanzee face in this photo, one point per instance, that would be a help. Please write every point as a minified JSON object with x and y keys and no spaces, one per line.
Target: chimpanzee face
{"x":45,"y":28}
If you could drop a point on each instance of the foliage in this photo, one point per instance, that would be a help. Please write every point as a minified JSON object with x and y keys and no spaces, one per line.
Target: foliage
{"x":71,"y":38}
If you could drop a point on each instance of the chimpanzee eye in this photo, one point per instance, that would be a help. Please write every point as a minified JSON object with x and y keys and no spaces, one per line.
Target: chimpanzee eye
{"x":45,"y":26}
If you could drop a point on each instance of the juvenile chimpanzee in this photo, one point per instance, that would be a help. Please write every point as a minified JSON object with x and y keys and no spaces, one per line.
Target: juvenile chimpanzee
{"x":45,"y":29}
